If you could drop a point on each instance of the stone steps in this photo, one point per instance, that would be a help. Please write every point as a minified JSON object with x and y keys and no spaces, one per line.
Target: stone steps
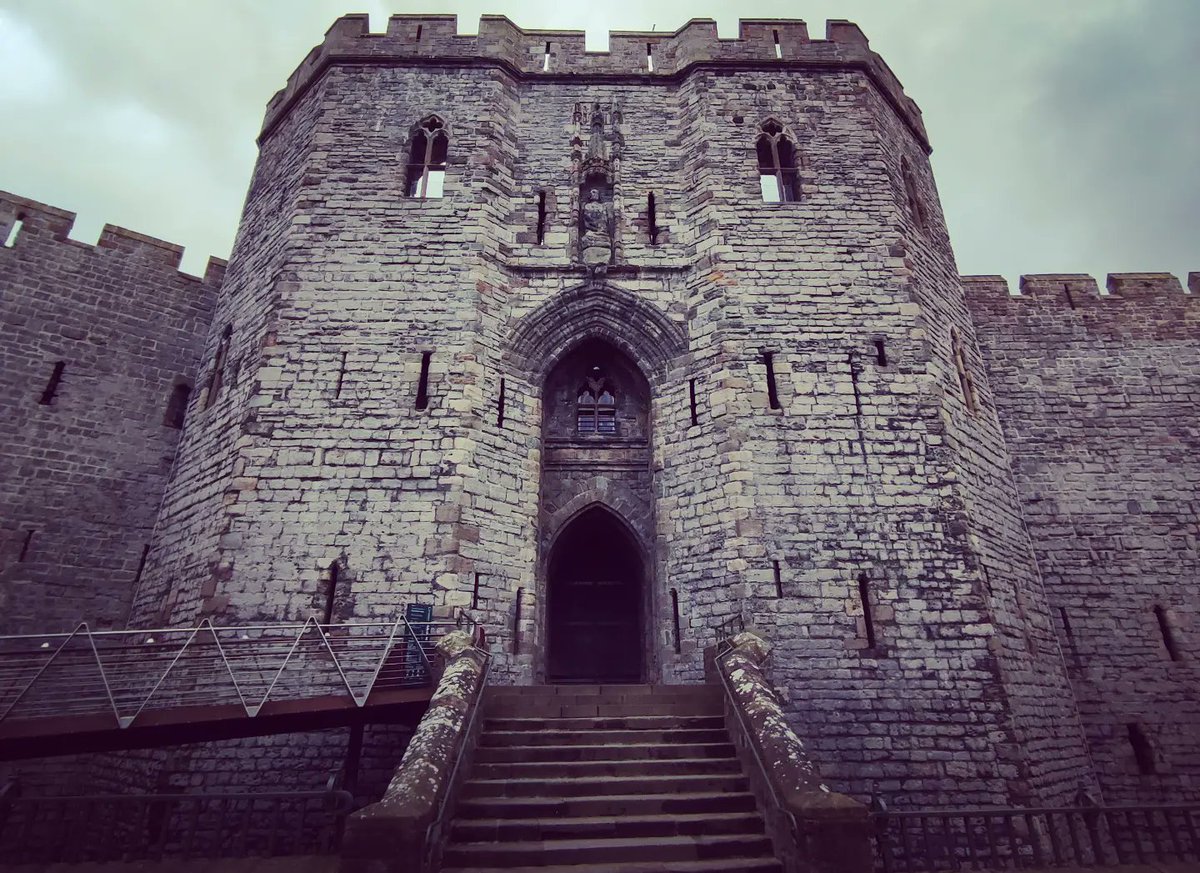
{"x":609,"y":850}
{"x":612,"y":778}
{"x":601,"y":752}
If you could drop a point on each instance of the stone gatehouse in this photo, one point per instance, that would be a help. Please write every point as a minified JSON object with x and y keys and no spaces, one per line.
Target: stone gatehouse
{"x":609,"y":349}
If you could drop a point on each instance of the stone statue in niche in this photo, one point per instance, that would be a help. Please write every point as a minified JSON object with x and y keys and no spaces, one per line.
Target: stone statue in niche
{"x":596,"y":237}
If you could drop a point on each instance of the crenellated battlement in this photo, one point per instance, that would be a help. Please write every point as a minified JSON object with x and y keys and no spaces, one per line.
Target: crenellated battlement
{"x":640,"y":55}
{"x":1151,"y":306}
{"x":1076,"y":290}
{"x":44,"y":224}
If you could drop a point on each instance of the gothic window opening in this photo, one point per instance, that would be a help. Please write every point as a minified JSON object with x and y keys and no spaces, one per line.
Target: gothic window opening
{"x":880,"y":353}
{"x":778,"y":47}
{"x":596,"y":407}
{"x":777,"y":174}
{"x":651,"y":220}
{"x":500,"y":405}
{"x":546,"y":60}
{"x":692,"y":399}
{"x":649,"y":57}
{"x":427,"y":159}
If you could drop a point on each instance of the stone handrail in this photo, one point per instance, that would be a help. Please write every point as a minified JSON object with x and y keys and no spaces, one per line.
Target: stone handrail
{"x":392,"y":836}
{"x":814,"y":829}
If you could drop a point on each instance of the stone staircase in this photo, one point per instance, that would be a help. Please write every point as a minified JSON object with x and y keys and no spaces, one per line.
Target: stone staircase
{"x":607,"y":779}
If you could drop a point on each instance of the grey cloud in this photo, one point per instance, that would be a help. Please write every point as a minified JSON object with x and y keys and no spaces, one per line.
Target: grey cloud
{"x":1065,"y":133}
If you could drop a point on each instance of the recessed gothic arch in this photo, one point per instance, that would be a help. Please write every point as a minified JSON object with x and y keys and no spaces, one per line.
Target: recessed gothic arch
{"x":638,"y":328}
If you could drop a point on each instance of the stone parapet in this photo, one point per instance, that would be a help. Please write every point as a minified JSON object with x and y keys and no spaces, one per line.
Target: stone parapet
{"x":393,"y":834}
{"x":814,"y":829}
{"x":553,"y":55}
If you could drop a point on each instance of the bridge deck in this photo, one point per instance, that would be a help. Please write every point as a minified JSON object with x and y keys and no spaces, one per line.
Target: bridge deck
{"x":105,"y":690}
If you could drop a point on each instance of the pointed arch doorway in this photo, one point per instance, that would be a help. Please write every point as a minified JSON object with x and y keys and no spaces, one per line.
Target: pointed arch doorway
{"x":595,"y":591}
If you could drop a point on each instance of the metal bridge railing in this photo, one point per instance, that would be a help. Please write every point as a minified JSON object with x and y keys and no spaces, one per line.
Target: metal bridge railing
{"x":126,"y":675}
{"x":100,"y":828}
{"x":1087,"y":835}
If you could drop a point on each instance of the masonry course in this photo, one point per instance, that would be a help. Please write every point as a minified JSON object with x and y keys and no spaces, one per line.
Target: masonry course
{"x":932,"y":479}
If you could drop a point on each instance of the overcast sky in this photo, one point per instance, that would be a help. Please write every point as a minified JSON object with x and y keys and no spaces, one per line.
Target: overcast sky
{"x":1066,"y":133}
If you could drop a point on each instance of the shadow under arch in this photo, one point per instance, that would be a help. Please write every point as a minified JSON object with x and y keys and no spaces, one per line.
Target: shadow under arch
{"x":637,"y":327}
{"x":596,"y":577}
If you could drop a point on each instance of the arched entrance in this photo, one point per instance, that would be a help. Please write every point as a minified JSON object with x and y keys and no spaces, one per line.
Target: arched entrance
{"x":595,"y":580}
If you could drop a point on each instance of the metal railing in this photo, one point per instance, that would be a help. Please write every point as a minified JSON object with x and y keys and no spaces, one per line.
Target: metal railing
{"x":99,"y":828}
{"x":1087,"y":835}
{"x":127,"y":674}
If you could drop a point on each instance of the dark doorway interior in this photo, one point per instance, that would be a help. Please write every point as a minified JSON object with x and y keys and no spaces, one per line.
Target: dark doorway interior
{"x":595,"y":586}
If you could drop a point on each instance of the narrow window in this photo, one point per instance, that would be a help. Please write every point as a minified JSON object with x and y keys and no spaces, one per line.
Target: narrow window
{"x":675,"y":618}
{"x":516,"y":648}
{"x":541,"y":224}
{"x":141,"y":567}
{"x":777,"y":175}
{"x":422,"y":401}
{"x":649,"y":57}
{"x":772,"y":390}
{"x":1168,"y":633}
{"x":880,"y":353}
{"x":420,"y":27}
{"x":217,"y":377}
{"x":25,"y":544}
{"x":596,"y":408}
{"x":864,"y":596}
{"x":1067,"y":629}
{"x":651,"y":219}
{"x":177,"y":405}
{"x":778,"y":579}
{"x":14,"y":232}
{"x":692,"y":397}
{"x":778,"y":47}
{"x":916,"y":206}
{"x":341,"y":375}
{"x":965,"y":383}
{"x":427,"y":159}
{"x":546,"y":60}
{"x":53,"y":383}
{"x":1143,"y":750}
{"x":331,"y":583}
{"x":475,"y":593}
{"x":500,"y":406}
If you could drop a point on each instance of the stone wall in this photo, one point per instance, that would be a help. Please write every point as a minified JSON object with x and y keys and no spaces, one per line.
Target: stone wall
{"x":1099,"y":397}
{"x":85,"y":462}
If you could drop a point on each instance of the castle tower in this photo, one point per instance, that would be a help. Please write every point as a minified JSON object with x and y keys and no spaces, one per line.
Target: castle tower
{"x":612,"y":349}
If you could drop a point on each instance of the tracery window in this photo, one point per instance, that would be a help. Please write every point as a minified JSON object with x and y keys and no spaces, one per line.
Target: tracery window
{"x":777,"y":175}
{"x":596,"y":409}
{"x":427,"y":159}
